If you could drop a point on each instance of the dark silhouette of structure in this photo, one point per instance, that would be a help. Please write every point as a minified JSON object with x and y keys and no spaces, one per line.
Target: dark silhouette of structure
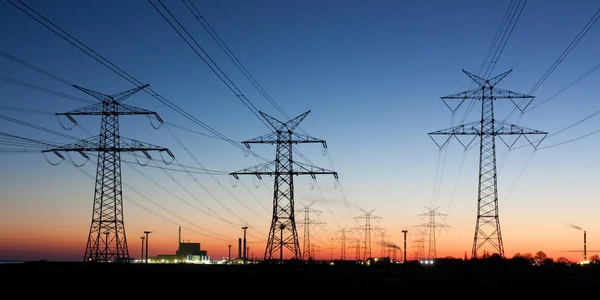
{"x":142,"y":255}
{"x":245,"y":257}
{"x":147,"y":233}
{"x":284,"y":168}
{"x":404,"y":233}
{"x":487,"y":228}
{"x":431,"y":227}
{"x":107,"y":213}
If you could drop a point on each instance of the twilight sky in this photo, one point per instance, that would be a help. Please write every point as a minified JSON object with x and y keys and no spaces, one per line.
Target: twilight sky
{"x":371,"y":73}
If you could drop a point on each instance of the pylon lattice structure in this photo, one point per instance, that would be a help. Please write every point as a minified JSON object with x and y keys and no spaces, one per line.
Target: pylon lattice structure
{"x":342,"y":239}
{"x":367,"y":229}
{"x":487,"y":228}
{"x":107,"y":241}
{"x":284,"y":168}
{"x":419,"y":242}
{"x":431,"y":228}
{"x":307,"y":223}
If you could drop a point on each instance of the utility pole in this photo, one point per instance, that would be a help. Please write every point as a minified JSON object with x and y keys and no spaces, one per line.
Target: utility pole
{"x":404,"y":233}
{"x":107,"y":212}
{"x":306,"y":224}
{"x":431,"y":227}
{"x":244,"y":246}
{"x":487,"y":227}
{"x":367,"y":228}
{"x":284,"y":168}
{"x":147,"y":233}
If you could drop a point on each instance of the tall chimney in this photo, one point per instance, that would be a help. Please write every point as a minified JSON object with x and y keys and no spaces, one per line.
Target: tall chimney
{"x":179,"y":242}
{"x":584,"y":247}
{"x":240,"y":248}
{"x":404,"y":232}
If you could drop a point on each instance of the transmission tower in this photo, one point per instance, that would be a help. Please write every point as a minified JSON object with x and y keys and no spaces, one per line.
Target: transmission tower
{"x":283,"y":168}
{"x":107,"y":241}
{"x":487,"y":228}
{"x":419,"y":242}
{"x":430,"y":229}
{"x":307,"y":223}
{"x":383,"y":243}
{"x":342,"y":239}
{"x":367,"y":228}
{"x":357,"y":247}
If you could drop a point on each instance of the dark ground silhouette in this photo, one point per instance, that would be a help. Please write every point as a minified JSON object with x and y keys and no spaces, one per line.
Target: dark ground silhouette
{"x":466,"y":279}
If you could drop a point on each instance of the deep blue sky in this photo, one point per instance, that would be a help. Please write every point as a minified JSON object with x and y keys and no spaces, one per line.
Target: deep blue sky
{"x":371,"y":72}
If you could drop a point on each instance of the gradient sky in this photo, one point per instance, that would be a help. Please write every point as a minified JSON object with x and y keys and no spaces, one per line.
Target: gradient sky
{"x":371,"y":72}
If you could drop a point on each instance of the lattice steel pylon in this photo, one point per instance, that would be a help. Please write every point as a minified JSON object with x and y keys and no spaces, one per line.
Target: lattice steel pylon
{"x":307,"y":223}
{"x":367,"y":228}
{"x":419,"y":242}
{"x":342,"y":239}
{"x":107,"y":241}
{"x":430,"y":228}
{"x":283,"y":168}
{"x":487,"y":228}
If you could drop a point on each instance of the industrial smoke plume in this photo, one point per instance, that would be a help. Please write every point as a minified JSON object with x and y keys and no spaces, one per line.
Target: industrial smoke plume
{"x":575,"y":226}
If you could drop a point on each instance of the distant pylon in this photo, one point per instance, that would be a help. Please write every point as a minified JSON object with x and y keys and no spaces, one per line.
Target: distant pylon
{"x":419,"y":242}
{"x":284,"y":168}
{"x":487,"y":228}
{"x":306,"y":224}
{"x":342,"y":239}
{"x":431,"y":227}
{"x":367,"y":228}
{"x":107,"y":241}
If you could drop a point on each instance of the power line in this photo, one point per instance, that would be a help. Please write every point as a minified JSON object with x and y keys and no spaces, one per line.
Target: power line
{"x":556,"y":63}
{"x":99,"y":58}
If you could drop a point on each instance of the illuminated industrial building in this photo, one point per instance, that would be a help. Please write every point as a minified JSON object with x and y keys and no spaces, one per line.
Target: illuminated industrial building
{"x":190,"y":253}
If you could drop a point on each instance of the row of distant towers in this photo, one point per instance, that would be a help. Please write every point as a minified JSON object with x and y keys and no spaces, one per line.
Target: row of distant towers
{"x":107,"y":238}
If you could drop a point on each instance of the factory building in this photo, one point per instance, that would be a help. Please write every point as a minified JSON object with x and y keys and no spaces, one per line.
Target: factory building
{"x":186,"y":253}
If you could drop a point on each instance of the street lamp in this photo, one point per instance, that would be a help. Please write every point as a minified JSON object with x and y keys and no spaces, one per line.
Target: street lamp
{"x":106,"y":243}
{"x":147,"y":233}
{"x":142,"y":256}
{"x":244,"y":248}
{"x":282,"y":227}
{"x":229,"y":253}
{"x":404,"y":232}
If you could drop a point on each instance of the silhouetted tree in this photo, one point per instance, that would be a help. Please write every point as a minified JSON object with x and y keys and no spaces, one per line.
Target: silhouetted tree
{"x":563,"y":260}
{"x":540,"y":257}
{"x":595,"y":258}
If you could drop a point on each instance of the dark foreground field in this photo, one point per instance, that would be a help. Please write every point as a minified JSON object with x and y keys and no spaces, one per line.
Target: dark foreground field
{"x":466,"y":280}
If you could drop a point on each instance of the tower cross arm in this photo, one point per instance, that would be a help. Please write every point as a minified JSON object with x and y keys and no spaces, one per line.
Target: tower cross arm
{"x":506,"y":94}
{"x":120,"y":109}
{"x":119,"y":97}
{"x":470,"y":94}
{"x":273,"y":138}
{"x":306,"y":169}
{"x":267,"y":168}
{"x":93,"y":144}
{"x":471,"y":128}
{"x":501,"y":127}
